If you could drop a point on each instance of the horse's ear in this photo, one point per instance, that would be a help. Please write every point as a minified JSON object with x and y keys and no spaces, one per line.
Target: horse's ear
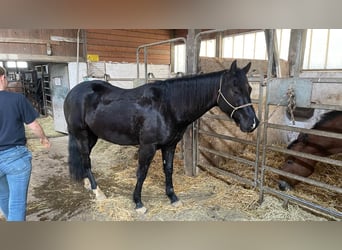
{"x":247,"y":67}
{"x":233,"y":67}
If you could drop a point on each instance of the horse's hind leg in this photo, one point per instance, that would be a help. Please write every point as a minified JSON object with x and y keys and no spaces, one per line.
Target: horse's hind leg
{"x":86,"y":143}
{"x":168,"y":155}
{"x":146,"y":154}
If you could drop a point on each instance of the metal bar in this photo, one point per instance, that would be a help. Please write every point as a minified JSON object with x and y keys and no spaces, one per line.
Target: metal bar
{"x":306,"y":130}
{"x":27,"y":40}
{"x":145,"y":62}
{"x":304,"y":179}
{"x":303,"y":202}
{"x":266,"y":109}
{"x":65,"y":39}
{"x":226,"y":137}
{"x":182,"y":39}
{"x":305,"y":155}
{"x":259,"y":129}
{"x":216,"y":170}
{"x":226,"y":155}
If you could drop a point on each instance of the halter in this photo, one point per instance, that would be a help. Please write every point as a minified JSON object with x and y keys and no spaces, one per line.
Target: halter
{"x":232,"y":106}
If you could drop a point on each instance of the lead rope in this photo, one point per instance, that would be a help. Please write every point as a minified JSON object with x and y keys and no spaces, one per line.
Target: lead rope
{"x":290,"y":97}
{"x":291,"y":106}
{"x":232,"y":106}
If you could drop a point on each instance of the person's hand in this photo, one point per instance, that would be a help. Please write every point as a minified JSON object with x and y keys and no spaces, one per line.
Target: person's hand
{"x":45,"y":142}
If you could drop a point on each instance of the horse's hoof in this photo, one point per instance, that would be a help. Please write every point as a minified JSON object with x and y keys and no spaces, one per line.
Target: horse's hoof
{"x":177,"y":203}
{"x":86,"y":183}
{"x":141,"y":210}
{"x":99,"y":194}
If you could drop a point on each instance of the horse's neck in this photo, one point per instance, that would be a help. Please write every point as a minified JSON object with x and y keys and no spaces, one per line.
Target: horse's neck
{"x":199,"y":96}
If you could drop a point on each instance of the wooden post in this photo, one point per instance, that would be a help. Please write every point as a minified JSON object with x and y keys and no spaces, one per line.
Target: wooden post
{"x":276,"y":61}
{"x":192,"y":53}
{"x":296,"y":51}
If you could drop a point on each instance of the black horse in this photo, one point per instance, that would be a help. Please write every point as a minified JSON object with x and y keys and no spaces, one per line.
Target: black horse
{"x":153,"y":116}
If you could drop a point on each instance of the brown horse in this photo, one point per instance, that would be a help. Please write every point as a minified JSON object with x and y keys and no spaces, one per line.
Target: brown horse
{"x":312,"y":144}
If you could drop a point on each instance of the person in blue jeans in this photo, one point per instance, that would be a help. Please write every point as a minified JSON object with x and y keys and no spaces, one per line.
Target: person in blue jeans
{"x":15,"y":158}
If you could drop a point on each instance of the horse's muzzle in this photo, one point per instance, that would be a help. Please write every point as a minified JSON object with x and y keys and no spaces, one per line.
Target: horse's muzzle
{"x":250,"y":125}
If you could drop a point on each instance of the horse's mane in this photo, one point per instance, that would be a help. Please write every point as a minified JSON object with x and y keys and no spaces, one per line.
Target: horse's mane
{"x":324,"y":118}
{"x":327,"y":117}
{"x":181,"y":91}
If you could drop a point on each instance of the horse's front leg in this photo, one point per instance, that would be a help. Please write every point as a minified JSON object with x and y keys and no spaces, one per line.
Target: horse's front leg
{"x":146,"y":154}
{"x":168,"y":155}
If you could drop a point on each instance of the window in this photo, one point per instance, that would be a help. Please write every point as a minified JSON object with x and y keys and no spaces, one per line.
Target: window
{"x":323,"y":49}
{"x":13,"y":64}
{"x":253,"y":45}
{"x":208,"y":48}
{"x":22,"y":65}
{"x":179,"y":58}
{"x":249,"y":45}
{"x":283,"y":39}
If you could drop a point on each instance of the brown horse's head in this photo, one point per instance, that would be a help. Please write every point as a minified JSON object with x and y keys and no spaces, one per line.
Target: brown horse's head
{"x":296,"y":165}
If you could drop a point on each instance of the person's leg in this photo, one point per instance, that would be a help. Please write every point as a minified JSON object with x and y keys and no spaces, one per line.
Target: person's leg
{"x":18,"y":178}
{"x":4,"y":195}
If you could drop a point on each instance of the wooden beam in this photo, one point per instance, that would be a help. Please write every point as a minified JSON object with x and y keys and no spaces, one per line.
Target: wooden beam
{"x":188,"y":147}
{"x":296,"y":51}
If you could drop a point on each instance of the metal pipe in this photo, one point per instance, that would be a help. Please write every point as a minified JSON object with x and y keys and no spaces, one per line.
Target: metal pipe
{"x":78,"y":56}
{"x":306,"y":130}
{"x":303,"y":202}
{"x":226,"y":137}
{"x":215,"y":170}
{"x":304,"y":179}
{"x":305,"y":155}
{"x":154,"y":44}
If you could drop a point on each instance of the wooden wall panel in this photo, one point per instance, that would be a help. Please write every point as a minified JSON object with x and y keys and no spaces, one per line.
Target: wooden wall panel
{"x":120,"y":45}
{"x":34,"y":42}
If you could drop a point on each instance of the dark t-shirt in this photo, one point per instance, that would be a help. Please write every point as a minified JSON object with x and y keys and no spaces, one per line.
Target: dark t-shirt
{"x":15,"y":110}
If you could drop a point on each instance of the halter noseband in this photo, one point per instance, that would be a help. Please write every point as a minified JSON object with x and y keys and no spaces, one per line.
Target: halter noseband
{"x":232,"y":106}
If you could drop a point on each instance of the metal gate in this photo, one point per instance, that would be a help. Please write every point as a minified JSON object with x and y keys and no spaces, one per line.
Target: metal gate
{"x":308,"y":94}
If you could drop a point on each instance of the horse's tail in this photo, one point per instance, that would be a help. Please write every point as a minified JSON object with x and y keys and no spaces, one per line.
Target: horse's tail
{"x":76,"y":169}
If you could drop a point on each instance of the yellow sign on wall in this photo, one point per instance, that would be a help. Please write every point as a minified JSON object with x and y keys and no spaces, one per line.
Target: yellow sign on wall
{"x":92,"y":58}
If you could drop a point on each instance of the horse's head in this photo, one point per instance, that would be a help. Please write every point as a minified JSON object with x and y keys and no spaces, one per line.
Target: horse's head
{"x":234,"y":97}
{"x":295,"y":165}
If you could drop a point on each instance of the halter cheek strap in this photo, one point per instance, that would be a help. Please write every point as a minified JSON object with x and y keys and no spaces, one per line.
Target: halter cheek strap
{"x":226,"y":101}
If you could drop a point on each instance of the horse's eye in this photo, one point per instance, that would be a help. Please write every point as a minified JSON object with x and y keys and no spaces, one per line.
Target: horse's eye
{"x":289,"y":161}
{"x":236,"y":91}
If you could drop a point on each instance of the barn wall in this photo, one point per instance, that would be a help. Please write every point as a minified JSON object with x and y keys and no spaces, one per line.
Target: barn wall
{"x":31,"y":44}
{"x":120,"y":45}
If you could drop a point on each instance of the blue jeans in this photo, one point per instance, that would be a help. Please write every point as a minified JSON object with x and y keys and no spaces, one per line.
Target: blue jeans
{"x":15,"y":173}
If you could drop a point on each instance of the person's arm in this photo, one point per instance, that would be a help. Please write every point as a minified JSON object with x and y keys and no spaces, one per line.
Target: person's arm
{"x":39,"y":132}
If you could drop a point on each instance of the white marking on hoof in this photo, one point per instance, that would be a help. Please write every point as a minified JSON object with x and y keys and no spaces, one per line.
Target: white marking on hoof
{"x":86,"y":183}
{"x":99,"y":194}
{"x":177,"y":203}
{"x":141,"y":210}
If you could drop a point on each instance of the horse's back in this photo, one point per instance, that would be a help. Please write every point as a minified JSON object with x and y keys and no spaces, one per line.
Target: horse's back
{"x":80,"y":97}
